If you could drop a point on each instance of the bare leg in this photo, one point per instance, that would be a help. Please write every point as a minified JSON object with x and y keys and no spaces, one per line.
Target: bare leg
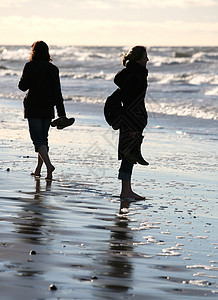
{"x":38,"y":167}
{"x":43,"y":152}
{"x":127,"y":192}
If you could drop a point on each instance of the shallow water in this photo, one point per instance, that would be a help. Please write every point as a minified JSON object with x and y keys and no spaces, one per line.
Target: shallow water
{"x":183,"y":81}
{"x":90,"y":244}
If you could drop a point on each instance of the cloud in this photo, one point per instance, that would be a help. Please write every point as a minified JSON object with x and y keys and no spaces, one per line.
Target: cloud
{"x":12,"y":3}
{"x":108,"y":4}
{"x":170,"y":3}
{"x":99,"y":4}
{"x":21,"y":30}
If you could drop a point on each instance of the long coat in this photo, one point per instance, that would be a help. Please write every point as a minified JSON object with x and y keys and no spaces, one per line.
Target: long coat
{"x":41,"y":79}
{"x":132,"y":81}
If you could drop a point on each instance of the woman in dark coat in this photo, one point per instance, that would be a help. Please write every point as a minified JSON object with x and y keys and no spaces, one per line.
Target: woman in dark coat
{"x":41,"y":78}
{"x":132,"y":80}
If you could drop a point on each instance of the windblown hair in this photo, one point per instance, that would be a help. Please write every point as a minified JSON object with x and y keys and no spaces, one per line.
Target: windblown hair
{"x":134,"y":54}
{"x":40,"y":51}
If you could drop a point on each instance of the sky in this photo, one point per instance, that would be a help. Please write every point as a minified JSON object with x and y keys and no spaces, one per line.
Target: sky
{"x":110,"y":22}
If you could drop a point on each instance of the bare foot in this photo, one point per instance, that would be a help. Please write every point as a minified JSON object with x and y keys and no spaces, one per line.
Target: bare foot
{"x":36,"y":174}
{"x":138,"y":197}
{"x":49,"y":173}
{"x":131,"y":195}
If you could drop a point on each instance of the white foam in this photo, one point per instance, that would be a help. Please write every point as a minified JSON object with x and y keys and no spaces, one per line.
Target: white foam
{"x":184,"y":109}
{"x":199,"y":282}
{"x":150,"y":239}
{"x":201,"y":274}
{"x":169,"y":252}
{"x":205,"y":267}
{"x":213,"y":91}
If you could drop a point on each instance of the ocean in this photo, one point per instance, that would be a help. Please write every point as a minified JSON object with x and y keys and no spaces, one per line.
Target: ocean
{"x":183,"y":81}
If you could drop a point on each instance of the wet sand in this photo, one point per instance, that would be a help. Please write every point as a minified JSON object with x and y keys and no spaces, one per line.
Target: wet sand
{"x":87,"y":242}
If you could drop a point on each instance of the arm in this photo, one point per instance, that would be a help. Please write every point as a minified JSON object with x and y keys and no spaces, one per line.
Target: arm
{"x":24,"y":82}
{"x":60,"y":102}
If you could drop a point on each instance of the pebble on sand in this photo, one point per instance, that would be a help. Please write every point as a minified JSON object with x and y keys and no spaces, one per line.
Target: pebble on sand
{"x":52,"y":287}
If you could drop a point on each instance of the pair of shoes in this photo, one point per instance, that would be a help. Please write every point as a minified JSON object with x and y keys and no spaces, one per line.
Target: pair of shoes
{"x":136,"y":158}
{"x":62,"y":122}
{"x":134,"y":154}
{"x":140,"y":160}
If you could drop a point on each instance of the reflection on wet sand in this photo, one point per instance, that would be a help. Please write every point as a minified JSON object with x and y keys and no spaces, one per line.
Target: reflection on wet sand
{"x":120,"y":271}
{"x":30,"y":219}
{"x":117,"y":273}
{"x":29,"y":226}
{"x":85,"y":244}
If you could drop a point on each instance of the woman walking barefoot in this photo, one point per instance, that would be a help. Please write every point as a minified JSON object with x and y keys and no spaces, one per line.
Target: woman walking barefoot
{"x":132,"y":80}
{"x":41,"y":78}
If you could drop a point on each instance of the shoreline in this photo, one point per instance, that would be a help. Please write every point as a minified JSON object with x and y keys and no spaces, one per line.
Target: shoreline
{"x":88,"y":243}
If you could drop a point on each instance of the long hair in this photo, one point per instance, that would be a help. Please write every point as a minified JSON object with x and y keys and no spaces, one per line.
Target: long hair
{"x":134,"y":54}
{"x":40,"y":51}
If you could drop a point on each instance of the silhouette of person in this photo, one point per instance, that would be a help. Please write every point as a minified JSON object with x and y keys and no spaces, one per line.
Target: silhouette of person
{"x":132,"y":80}
{"x":41,"y":78}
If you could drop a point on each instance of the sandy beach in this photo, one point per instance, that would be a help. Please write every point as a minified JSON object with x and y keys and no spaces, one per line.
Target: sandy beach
{"x":74,"y":233}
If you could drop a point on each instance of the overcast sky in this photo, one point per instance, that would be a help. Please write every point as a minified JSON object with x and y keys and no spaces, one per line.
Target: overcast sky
{"x":110,"y":22}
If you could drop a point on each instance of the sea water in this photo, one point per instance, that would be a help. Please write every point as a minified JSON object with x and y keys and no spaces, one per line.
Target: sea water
{"x":183,"y":81}
{"x":182,"y":93}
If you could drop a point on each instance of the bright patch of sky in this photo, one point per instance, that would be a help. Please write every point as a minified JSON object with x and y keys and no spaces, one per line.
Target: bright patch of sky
{"x":110,"y":22}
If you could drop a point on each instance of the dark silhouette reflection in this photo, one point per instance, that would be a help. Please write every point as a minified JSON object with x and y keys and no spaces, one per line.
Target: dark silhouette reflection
{"x":29,"y":229}
{"x":116,"y":273}
{"x":121,"y":246}
{"x":31,"y":217}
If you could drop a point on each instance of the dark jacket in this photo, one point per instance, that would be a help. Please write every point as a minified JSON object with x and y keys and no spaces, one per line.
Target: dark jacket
{"x":41,"y":79}
{"x":132,"y":81}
